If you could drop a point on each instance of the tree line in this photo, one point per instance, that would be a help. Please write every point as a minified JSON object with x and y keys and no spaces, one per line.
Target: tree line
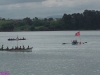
{"x":88,"y":20}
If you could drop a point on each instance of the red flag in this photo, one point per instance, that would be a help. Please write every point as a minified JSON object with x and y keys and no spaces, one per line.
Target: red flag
{"x":77,"y":34}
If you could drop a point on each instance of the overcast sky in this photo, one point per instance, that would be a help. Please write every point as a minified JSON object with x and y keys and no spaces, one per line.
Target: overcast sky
{"x":18,"y":9}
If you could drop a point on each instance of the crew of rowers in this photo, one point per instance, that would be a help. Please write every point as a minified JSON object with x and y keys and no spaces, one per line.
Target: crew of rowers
{"x":16,"y":47}
{"x":16,"y":38}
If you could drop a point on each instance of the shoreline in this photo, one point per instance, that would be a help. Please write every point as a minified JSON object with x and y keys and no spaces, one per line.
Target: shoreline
{"x":49,"y":31}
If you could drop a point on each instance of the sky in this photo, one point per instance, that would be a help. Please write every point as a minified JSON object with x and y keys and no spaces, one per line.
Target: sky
{"x":19,"y":9}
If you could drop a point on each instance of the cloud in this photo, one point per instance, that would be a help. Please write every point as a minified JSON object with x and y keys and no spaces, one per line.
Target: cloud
{"x":44,"y":8}
{"x":7,"y":2}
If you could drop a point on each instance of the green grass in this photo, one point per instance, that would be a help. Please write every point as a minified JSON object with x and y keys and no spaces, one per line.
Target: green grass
{"x":4,"y":22}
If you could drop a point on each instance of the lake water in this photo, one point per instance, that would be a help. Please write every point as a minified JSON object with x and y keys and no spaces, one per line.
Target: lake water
{"x":49,"y":56}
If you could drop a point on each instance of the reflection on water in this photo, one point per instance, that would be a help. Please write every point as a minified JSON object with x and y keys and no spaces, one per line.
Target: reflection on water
{"x":49,"y":56}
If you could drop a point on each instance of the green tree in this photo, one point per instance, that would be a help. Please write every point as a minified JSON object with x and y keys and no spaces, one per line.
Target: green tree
{"x":28,"y":21}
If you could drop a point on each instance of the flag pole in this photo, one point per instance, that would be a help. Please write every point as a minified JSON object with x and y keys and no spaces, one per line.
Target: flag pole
{"x":17,"y":40}
{"x":80,"y":39}
{"x":78,"y":34}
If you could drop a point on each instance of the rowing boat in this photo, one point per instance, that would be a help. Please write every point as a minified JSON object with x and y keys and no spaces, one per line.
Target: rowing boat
{"x":16,"y":39}
{"x":18,"y":50}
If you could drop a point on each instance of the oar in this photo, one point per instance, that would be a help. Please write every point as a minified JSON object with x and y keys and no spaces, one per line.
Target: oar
{"x":66,"y":43}
{"x":84,"y":42}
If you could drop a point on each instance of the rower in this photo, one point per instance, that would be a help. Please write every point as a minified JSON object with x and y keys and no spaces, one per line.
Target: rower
{"x":80,"y":42}
{"x":23,"y":47}
{"x":28,"y":47}
{"x":23,"y":38}
{"x":20,"y":47}
{"x":2,"y":47}
{"x":17,"y":47}
{"x":7,"y":48}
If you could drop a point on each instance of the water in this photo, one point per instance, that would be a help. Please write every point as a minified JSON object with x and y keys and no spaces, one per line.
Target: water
{"x":49,"y":56}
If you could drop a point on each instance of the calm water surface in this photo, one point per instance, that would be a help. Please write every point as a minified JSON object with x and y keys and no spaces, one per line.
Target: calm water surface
{"x":49,"y":56}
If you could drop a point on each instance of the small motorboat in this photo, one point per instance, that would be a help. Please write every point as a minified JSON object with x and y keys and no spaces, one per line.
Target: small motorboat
{"x":74,"y":42}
